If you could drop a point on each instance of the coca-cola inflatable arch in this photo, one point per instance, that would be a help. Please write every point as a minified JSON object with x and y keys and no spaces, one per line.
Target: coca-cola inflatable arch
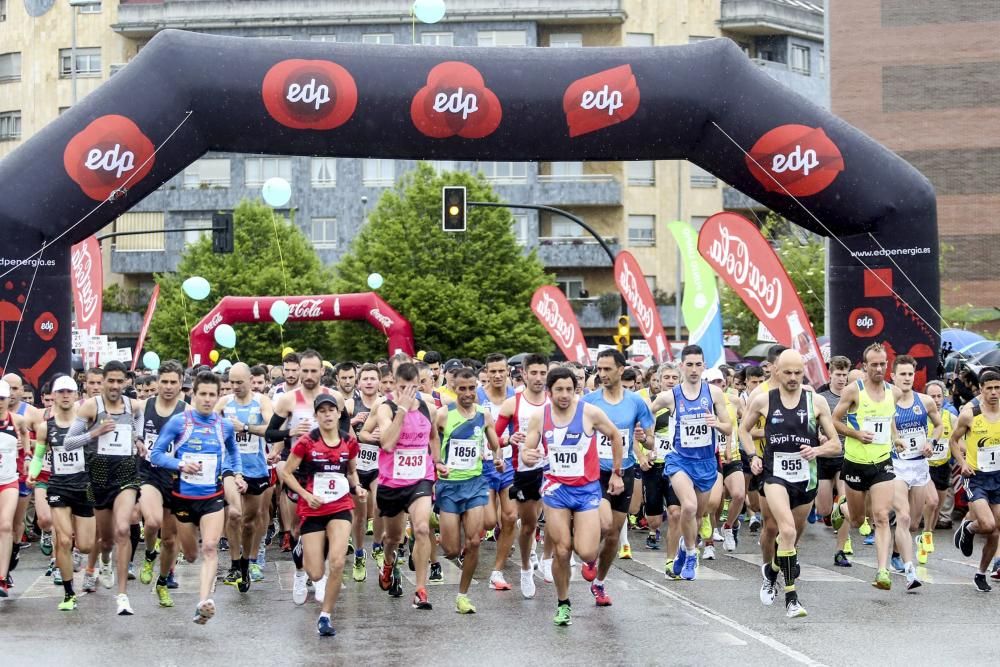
{"x":366,"y":306}
{"x":186,"y":93}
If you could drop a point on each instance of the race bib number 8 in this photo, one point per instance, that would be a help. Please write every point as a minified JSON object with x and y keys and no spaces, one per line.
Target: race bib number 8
{"x":791,"y":467}
{"x":330,"y":486}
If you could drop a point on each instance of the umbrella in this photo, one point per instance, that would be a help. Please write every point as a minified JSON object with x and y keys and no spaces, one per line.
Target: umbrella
{"x":517,"y":359}
{"x":959,"y":338}
{"x":978,"y":347}
{"x":990,"y":358}
{"x":758,"y":351}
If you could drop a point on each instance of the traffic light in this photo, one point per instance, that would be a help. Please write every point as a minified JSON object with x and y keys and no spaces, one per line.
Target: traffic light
{"x":222,"y":232}
{"x":624,"y":337}
{"x":453,"y":208}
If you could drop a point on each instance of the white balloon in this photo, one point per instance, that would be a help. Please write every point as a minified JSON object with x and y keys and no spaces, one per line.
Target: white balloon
{"x":429,"y":11}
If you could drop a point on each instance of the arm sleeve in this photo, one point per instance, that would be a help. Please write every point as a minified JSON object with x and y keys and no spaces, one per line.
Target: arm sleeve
{"x":138,"y":426}
{"x":274,"y":432}
{"x":38,"y":459}
{"x":77,"y":436}
{"x":501,"y":425}
{"x":232,"y":451}
{"x":159,"y":456}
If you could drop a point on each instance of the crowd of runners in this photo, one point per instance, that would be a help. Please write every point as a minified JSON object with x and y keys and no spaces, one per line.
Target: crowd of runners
{"x":418,"y":460}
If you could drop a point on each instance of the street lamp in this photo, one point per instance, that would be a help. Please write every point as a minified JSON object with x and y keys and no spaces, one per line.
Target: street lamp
{"x":72,"y":67}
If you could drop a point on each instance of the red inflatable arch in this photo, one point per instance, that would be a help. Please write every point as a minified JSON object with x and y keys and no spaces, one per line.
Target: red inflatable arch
{"x":366,"y":306}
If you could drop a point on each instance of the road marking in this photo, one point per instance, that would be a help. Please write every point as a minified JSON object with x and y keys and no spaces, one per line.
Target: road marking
{"x":727,"y":639}
{"x":809,"y":572}
{"x":770,"y":642}
{"x":654,"y":560}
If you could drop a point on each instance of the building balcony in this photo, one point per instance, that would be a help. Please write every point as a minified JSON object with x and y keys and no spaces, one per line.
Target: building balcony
{"x":813,"y":88}
{"x":575,"y":252}
{"x":579,"y":190}
{"x":773,"y":17}
{"x":143,"y":18}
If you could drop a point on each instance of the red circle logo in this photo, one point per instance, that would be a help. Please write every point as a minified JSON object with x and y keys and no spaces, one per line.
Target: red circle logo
{"x":456,"y":101}
{"x":110,"y":153}
{"x":309,"y":94}
{"x":866,"y":322}
{"x":46,"y":326}
{"x":796,"y":158}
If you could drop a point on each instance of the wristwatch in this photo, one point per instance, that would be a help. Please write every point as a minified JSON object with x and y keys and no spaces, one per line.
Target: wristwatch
{"x":246,"y":428}
{"x":616,"y":471}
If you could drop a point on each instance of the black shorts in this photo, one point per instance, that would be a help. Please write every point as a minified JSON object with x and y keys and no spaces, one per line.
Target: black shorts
{"x":367,"y":478}
{"x":621,"y":502}
{"x":655,"y":490}
{"x":391,"y":501}
{"x":756,"y":482}
{"x":731,"y":468}
{"x":104,"y":498}
{"x":797,"y":494}
{"x":160,"y":479}
{"x":191,"y":510}
{"x":79,"y":501}
{"x":527,"y":486}
{"x":317,"y":524}
{"x":941,"y":476}
{"x":863,"y":476}
{"x":829,"y":467}
{"x":256,"y":486}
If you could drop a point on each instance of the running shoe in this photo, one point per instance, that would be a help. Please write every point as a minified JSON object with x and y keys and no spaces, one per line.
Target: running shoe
{"x":396,"y":587}
{"x":385,"y":576}
{"x":420,"y":600}
{"x":244,"y":585}
{"x":4,"y":588}
{"x":299,"y":590}
{"x":204,"y":611}
{"x":77,"y":560}
{"x":45,"y":543}
{"x":794,"y":610}
{"x":286,"y":542}
{"x":625,"y":553}
{"x":146,"y":572}
{"x":360,"y":572}
{"x":848,"y":547}
{"x":768,"y":588}
{"x":437,"y":576}
{"x":498,"y":583}
{"x":89,"y":582}
{"x":172,"y":581}
{"x":563,"y":615}
{"x":131,"y":572}
{"x":836,"y":517}
{"x":547,"y":570}
{"x":982,"y":585}
{"x":865,"y":528}
{"x":370,"y":530}
{"x":921,"y":551}
{"x":688,"y":571}
{"x":716,"y":535}
{"x":527,"y":584}
{"x":223,"y":544}
{"x":708,"y":553}
{"x":896,"y":563}
{"x":812,"y":515}
{"x":840,"y":559}
{"x":927,"y":538}
{"x":105,"y":575}
{"x":589,"y":571}
{"x":533,"y":560}
{"x":728,"y":540}
{"x":378,"y":554}
{"x":256,"y":574}
{"x":911,"y":579}
{"x":680,"y":559}
{"x":882,"y":580}
{"x":964,"y":539}
{"x":124,"y":608}
{"x":462,"y":604}
{"x":163,"y":594}
{"x":57,"y":577}
{"x":68,"y":603}
{"x":232,"y":577}
{"x":319,"y":589}
{"x":651,"y":542}
{"x":706,"y":528}
{"x":668,"y":570}
{"x":755,"y":523}
{"x":600,"y":595}
{"x":869,"y":539}
{"x":324,"y":627}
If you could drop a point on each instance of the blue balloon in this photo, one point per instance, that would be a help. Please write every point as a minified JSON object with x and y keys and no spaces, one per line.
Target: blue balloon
{"x":279,"y":312}
{"x":224,"y":365}
{"x":428,"y":11}
{"x":196,"y":288}
{"x":151,"y":360}
{"x":276,"y":191}
{"x":375,"y":280}
{"x":225,"y":336}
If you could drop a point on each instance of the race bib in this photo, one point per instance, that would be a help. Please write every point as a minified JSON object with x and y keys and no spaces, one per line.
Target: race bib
{"x":566,"y":461}
{"x":368,"y":458}
{"x":462,"y":454}
{"x":330,"y":486}
{"x":988,"y":459}
{"x":604,"y":449}
{"x":914,"y":440}
{"x":149,"y":441}
{"x":791,"y":467}
{"x":409,"y":464}
{"x":207,"y":476}
{"x":662,"y":446}
{"x":940,"y":451}
{"x":695,"y":431}
{"x":68,"y":462}
{"x":117,"y":442}
{"x":880,"y":427}
{"x":248,"y":443}
{"x":8,"y":464}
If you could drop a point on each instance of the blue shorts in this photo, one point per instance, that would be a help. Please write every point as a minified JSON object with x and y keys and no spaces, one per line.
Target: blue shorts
{"x":23,"y":490}
{"x":499,"y":481}
{"x":460,"y":497}
{"x":560,"y":496}
{"x":984,"y":486}
{"x":702,"y":472}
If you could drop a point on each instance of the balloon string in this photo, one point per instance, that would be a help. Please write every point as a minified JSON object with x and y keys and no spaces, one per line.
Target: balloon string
{"x":24,"y":308}
{"x":281,"y":258}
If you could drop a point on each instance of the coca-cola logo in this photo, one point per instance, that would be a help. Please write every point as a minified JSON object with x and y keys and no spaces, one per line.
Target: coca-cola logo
{"x":109,"y":154}
{"x":212,"y":323}
{"x":306,"y":309}
{"x":381,"y":318}
{"x":629,"y":286}
{"x":796,"y":158}
{"x":46,"y":326}
{"x":81,"y":263}
{"x":730,"y":253}
{"x":309,"y":94}
{"x":601,"y":100}
{"x":547,"y":309}
{"x":866,"y":322}
{"x":455,"y":102}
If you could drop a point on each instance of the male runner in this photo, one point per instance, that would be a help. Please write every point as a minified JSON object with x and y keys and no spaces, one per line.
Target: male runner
{"x":346,"y":374}
{"x":831,"y":486}
{"x":791,"y":445}
{"x":365,"y":516}
{"x":290,"y":369}
{"x":940,"y":467}
{"x":30,"y":415}
{"x":565,"y":433}
{"x":462,"y":490}
{"x":13,"y":445}
{"x":195,"y":444}
{"x":655,"y":487}
{"x":691,"y":465}
{"x":107,"y":427}
{"x":625,"y":409}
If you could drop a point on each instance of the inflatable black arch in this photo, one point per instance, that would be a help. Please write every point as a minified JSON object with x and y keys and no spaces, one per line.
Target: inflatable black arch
{"x":187,"y":93}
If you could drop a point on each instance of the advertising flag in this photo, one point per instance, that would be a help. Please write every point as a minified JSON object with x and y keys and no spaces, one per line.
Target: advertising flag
{"x":554,"y":312}
{"x":700,"y":305}
{"x":638,"y":296}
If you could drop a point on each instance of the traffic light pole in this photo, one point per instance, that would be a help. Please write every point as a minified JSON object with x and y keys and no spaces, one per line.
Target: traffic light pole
{"x":568,"y":216}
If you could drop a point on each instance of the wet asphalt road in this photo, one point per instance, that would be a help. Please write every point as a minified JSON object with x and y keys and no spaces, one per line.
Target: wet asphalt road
{"x":717,"y":619}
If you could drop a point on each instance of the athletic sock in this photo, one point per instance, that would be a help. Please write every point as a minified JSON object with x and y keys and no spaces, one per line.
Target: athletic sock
{"x":68,"y":586}
{"x":563,"y":602}
{"x":297,"y":554}
{"x":150,"y":555}
{"x":161,"y":580}
{"x":324,"y":614}
{"x":14,"y":556}
{"x":786,"y":562}
{"x":598,"y":582}
{"x":358,"y":553}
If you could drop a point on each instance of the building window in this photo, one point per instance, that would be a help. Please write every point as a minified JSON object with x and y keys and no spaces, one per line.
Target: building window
{"x":10,"y":66}
{"x":642,"y":230}
{"x":324,"y":172}
{"x":88,"y":62}
{"x":3,"y":10}
{"x":324,"y":232}
{"x":441,"y":166}
{"x":322,"y":38}
{"x":437,"y":39}
{"x":10,"y":125}
{"x":505,"y":172}
{"x":567,"y":171}
{"x":90,"y":9}
{"x":651,"y":283}
{"x":503,"y":38}
{"x":379,"y":172}
{"x":800,"y":59}
{"x":641,"y":172}
{"x":562,"y":228}
{"x":192,"y":231}
{"x":259,"y":169}
{"x":566,"y":40}
{"x":520,"y":228}
{"x":379,"y":38}
{"x":701,"y":178}
{"x":571,"y":287}
{"x":821,"y":63}
{"x":207,"y":173}
{"x":639,"y":39}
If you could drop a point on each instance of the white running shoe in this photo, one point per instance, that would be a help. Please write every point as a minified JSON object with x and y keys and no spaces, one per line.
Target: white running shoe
{"x":716,"y":535}
{"x":728,"y":539}
{"x":320,"y":589}
{"x":204,"y":611}
{"x":708,"y":553}
{"x":498,"y":583}
{"x":89,"y":582}
{"x":124,"y":608}
{"x":768,"y":591}
{"x":106,"y":575}
{"x":528,"y":584}
{"x":795,"y":610}
{"x":299,"y":590}
{"x":547,"y":570}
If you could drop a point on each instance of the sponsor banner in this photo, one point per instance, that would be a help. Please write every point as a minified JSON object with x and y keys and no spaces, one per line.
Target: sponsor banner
{"x":601,"y":100}
{"x":795,"y":160}
{"x":735,"y":248}
{"x":554,"y":312}
{"x":455,"y":101}
{"x":700,"y":305}
{"x":109,"y":156}
{"x":309,"y":94}
{"x":87,"y":274}
{"x":633,"y":288}
{"x":145,"y":324}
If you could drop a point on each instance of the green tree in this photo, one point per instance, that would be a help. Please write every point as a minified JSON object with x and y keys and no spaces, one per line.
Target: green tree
{"x":253,"y":269}
{"x":803,"y":256}
{"x":465,"y":293}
